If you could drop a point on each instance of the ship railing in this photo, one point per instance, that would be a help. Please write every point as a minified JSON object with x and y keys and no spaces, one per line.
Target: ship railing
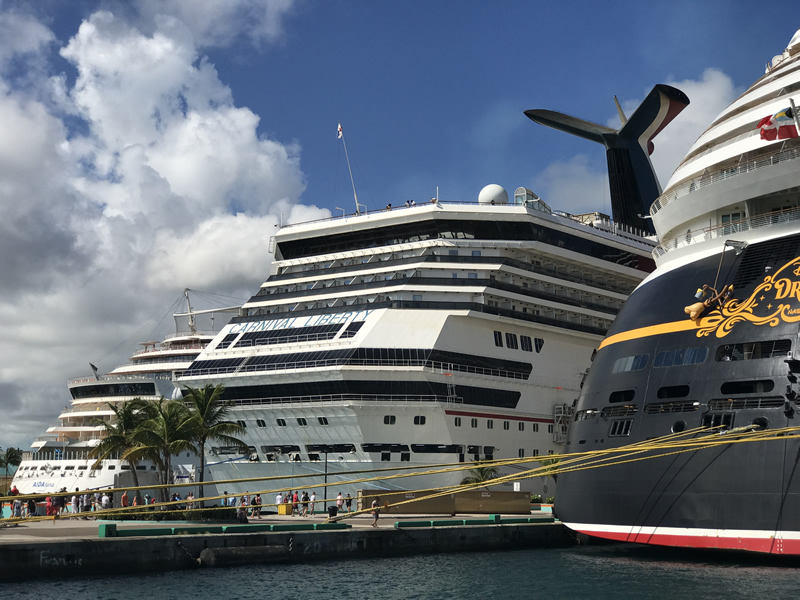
{"x":606,"y":225}
{"x":687,"y":187}
{"x":354,"y":362}
{"x":208,"y":333}
{"x":113,"y":378}
{"x":339,"y":398}
{"x":54,"y":454}
{"x":162,"y":348}
{"x":717,"y":231}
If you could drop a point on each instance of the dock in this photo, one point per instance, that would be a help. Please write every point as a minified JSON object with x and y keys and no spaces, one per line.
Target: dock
{"x":69,"y":547}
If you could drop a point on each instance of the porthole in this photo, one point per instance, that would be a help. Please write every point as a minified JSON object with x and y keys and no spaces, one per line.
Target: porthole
{"x":678,"y":426}
{"x":761,"y":423}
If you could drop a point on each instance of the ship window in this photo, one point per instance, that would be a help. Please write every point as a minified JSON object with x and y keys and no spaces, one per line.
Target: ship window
{"x":389,"y":420}
{"x":473,"y":423}
{"x":281,"y":422}
{"x":476,"y":253}
{"x":489,"y":424}
{"x":678,"y":426}
{"x":458,"y":421}
{"x":302,"y":422}
{"x":511,"y":341}
{"x":322,"y":420}
{"x":419,"y":420}
{"x":620,"y":428}
{"x":314,"y":457}
{"x":405,"y":456}
{"x":386,"y":456}
{"x":630,"y":363}
{"x":111,"y":467}
{"x":622,"y":396}
{"x":521,"y":452}
{"x":526,"y":342}
{"x":242,"y":424}
{"x":535,"y":427}
{"x":550,"y":429}
{"x":538,"y":342}
{"x":416,"y":297}
{"x":535,"y":452}
{"x":498,"y":339}
{"x":506,"y":425}
{"x":673,"y":391}
{"x":472,"y":275}
{"x":754,"y":350}
{"x":680,"y":356}
{"x":452,"y":252}
{"x":521,"y":426}
{"x":261,"y":422}
{"x":752,"y":386}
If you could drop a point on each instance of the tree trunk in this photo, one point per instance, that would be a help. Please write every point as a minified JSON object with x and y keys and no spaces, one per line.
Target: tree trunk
{"x":202,"y":472}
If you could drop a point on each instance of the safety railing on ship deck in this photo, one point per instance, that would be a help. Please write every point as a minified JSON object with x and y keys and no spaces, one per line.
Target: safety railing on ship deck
{"x":707,"y":179}
{"x":436,"y":367}
{"x":710,"y":233}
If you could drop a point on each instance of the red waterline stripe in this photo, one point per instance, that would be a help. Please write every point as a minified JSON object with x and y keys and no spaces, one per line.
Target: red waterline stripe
{"x":760,"y":544}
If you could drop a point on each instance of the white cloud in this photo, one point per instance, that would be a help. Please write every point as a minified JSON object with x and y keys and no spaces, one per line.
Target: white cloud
{"x":215,"y":23}
{"x":124,"y":185}
{"x":573,"y":186}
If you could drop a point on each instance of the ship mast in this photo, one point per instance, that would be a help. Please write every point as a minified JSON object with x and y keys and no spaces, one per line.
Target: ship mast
{"x":340,"y":135}
{"x":192,"y":325}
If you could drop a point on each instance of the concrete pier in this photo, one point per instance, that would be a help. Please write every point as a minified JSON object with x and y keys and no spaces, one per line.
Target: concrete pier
{"x":74,"y":547}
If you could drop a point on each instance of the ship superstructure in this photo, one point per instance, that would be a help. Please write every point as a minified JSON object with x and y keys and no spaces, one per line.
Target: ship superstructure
{"x":418,"y":335}
{"x":708,"y":345}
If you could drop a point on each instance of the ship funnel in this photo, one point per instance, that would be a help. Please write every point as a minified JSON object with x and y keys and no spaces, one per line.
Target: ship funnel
{"x":633,"y":182}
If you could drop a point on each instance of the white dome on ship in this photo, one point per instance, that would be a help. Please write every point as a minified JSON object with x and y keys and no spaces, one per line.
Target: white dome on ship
{"x":493,"y":194}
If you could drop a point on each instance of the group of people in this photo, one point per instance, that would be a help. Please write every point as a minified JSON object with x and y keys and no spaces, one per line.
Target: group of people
{"x":247,"y":506}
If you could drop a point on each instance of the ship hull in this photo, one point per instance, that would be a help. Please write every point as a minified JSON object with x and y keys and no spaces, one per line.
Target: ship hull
{"x":661,"y":376}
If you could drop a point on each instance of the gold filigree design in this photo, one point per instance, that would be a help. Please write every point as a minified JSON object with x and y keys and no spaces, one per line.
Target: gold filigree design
{"x":776,"y":300}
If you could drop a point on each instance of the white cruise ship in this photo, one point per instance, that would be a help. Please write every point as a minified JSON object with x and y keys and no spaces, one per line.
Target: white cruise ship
{"x":418,"y":335}
{"x":60,"y":458}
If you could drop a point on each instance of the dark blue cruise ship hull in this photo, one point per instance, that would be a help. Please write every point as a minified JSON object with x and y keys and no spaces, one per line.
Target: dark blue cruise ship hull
{"x":728,"y":380}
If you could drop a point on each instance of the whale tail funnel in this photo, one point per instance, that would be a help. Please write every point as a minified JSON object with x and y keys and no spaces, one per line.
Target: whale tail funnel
{"x":632,"y":180}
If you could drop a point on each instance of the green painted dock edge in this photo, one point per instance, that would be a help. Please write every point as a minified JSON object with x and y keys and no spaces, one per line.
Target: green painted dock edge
{"x":111,"y":530}
{"x":492,"y":520}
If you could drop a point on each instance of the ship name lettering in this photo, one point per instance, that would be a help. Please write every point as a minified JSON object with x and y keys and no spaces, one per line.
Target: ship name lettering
{"x":787,"y":287}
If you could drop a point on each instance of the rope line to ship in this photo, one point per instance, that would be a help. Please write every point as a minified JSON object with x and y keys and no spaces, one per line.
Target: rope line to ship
{"x":555,"y":464}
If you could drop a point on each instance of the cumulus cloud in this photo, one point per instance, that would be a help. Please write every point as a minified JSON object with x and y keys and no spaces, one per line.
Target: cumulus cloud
{"x":123,"y":182}
{"x":578,"y":185}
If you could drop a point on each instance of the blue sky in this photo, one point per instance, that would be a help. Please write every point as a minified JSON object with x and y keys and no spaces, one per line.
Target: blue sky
{"x":149,"y":146}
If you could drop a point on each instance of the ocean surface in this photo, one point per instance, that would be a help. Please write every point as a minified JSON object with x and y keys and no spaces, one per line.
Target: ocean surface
{"x":595,"y":572}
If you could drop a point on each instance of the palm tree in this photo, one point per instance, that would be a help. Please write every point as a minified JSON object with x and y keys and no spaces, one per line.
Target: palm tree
{"x":118,"y":437}
{"x":209,"y":412}
{"x":167,"y":431}
{"x":480,"y":474}
{"x":13,"y":457}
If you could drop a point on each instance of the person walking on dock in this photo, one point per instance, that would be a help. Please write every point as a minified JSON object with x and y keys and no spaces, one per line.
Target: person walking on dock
{"x":339,"y":502}
{"x":376,"y":509}
{"x":348,"y":502}
{"x":313,"y":502}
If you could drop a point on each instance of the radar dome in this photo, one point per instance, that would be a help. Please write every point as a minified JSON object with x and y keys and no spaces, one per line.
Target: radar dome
{"x":493,"y":194}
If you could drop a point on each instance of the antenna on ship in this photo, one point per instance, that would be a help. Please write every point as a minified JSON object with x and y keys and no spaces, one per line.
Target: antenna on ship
{"x":340,"y":135}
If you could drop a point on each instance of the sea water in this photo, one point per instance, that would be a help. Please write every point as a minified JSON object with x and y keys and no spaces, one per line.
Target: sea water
{"x":596,"y":572}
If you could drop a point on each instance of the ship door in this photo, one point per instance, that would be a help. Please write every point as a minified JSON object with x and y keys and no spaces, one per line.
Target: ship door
{"x":722,"y":420}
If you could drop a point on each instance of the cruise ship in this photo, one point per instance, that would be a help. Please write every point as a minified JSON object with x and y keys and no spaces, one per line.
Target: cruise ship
{"x":438,"y":333}
{"x":704,"y":356}
{"x":60,"y":458}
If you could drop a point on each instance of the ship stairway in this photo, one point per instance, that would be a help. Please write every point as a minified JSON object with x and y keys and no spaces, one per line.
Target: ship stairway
{"x":562,"y":417}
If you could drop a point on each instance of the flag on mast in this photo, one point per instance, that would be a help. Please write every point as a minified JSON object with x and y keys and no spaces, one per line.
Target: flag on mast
{"x":339,"y":131}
